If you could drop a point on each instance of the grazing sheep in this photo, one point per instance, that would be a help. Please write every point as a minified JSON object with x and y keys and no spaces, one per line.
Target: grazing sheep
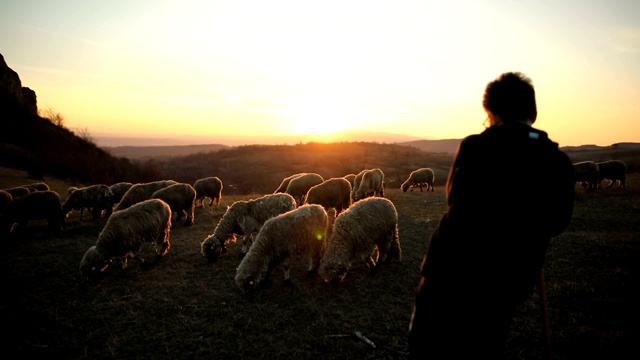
{"x":118,"y":190}
{"x":94,"y":198}
{"x":124,"y":234}
{"x":368,"y":224}
{"x":39,"y":186}
{"x":371,"y":185}
{"x":331,"y":193}
{"x":244,"y":218}
{"x":588,"y":174}
{"x":181,"y":198}
{"x":282,"y":188}
{"x":5,"y":198}
{"x":210,"y":187}
{"x":351,"y":178}
{"x":17,"y":191}
{"x":301,"y":231}
{"x":71,"y":189}
{"x":140,"y":192}
{"x":299,"y":186}
{"x":613,"y":170}
{"x":419,"y":178}
{"x":39,"y":205}
{"x":356,"y":183}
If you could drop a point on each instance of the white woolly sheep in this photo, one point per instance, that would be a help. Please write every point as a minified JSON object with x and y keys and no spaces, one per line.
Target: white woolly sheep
{"x":95,"y":198}
{"x":371,"y":185}
{"x":331,"y":193}
{"x":118,"y":190}
{"x":282,"y":188}
{"x":210,"y":187}
{"x":613,"y":170}
{"x":356,"y":183}
{"x":587,"y":173}
{"x":17,"y":191}
{"x":5,"y":198}
{"x":39,"y":205}
{"x":244,"y":218}
{"x":299,"y":186}
{"x":181,"y":198}
{"x":368,"y":224}
{"x":126,"y":232}
{"x":301,"y":231}
{"x":140,"y":192}
{"x":420,"y":177}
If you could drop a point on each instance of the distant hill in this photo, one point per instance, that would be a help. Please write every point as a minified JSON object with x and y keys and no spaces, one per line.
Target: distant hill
{"x":449,"y":146}
{"x":147,"y":152}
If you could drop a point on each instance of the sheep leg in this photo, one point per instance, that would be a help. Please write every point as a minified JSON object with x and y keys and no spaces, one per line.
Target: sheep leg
{"x":287,"y":272}
{"x":372,"y":264}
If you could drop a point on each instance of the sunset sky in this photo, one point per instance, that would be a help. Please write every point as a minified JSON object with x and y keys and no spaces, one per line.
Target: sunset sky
{"x":260,"y":68}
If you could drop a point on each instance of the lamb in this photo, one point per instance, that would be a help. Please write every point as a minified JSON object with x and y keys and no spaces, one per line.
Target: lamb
{"x":419,"y":178}
{"x":5,"y":198}
{"x":118,"y":190}
{"x":126,"y":232}
{"x":39,"y":205}
{"x":299,"y":186}
{"x":210,"y":187}
{"x":17,"y":191}
{"x":588,"y":174}
{"x":614,"y":170}
{"x":285,"y":182}
{"x":331,"y":193}
{"x":94,"y":198}
{"x":244,"y":218}
{"x":368,"y":224}
{"x":371,"y":185}
{"x":140,"y":192}
{"x":301,"y":231}
{"x":181,"y":198}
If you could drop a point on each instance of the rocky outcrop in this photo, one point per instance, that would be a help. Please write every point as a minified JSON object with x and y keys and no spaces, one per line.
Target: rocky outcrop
{"x":11,"y":89}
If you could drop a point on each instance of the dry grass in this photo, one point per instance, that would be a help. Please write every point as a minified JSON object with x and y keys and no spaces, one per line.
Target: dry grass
{"x":186,"y":308}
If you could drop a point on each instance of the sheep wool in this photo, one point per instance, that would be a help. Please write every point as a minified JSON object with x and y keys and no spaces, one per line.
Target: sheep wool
{"x":181,"y":198}
{"x":210,"y":187}
{"x":613,"y":170}
{"x":371,"y":185}
{"x":244,"y":218}
{"x":95,"y":198}
{"x":299,"y":186}
{"x":39,"y":205}
{"x":420,"y":177}
{"x":331,"y":193}
{"x":368,"y":224}
{"x":141,"y":192}
{"x":301,"y":231}
{"x":124,"y":234}
{"x":285,"y":182}
{"x":588,"y":174}
{"x":118,"y":190}
{"x":356,"y":183}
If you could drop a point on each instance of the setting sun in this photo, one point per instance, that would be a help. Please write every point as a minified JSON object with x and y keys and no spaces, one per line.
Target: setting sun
{"x":320,"y":118}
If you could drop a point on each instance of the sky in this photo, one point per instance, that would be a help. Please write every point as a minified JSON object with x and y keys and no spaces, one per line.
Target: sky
{"x":240,"y":68}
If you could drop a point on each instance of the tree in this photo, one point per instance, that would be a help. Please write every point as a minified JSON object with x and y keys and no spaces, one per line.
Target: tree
{"x":49,"y":114}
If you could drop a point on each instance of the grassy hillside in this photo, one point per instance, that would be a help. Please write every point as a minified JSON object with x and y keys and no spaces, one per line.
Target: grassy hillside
{"x":186,"y":308}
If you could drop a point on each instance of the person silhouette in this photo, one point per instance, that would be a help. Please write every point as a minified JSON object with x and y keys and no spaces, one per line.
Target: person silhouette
{"x":509,"y":191}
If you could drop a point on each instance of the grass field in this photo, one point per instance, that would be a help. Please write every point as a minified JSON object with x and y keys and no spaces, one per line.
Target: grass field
{"x":185,"y":308}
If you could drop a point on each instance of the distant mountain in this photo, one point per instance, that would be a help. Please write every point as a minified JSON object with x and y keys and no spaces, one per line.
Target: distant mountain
{"x":449,"y":146}
{"x":146,"y":152}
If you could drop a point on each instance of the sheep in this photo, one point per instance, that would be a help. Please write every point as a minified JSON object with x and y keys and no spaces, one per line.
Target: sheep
{"x":301,"y":231}
{"x":126,"y":232}
{"x":118,"y":190}
{"x":282,"y":188}
{"x":368,"y":224}
{"x":356,"y":183}
{"x":351,"y":178}
{"x":140,"y":192}
{"x":39,"y":205}
{"x":299,"y":186}
{"x":419,"y":177}
{"x":614,"y":170}
{"x":39,"y":186}
{"x":244,"y":218}
{"x":210,"y":187}
{"x":587,"y":173}
{"x":371,"y":185}
{"x":71,"y":189}
{"x":5,"y":198}
{"x":331,"y":193}
{"x":181,"y":198}
{"x":17,"y":191}
{"x":94,"y":198}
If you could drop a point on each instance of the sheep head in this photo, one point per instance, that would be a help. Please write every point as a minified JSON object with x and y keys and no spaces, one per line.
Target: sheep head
{"x":212,"y":247}
{"x":93,"y":263}
{"x":333,"y":272}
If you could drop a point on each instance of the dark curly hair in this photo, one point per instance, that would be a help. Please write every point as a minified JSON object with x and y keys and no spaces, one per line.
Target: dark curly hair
{"x":511,"y":97}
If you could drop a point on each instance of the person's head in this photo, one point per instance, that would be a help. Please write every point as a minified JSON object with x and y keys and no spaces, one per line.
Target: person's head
{"x":510,"y":98}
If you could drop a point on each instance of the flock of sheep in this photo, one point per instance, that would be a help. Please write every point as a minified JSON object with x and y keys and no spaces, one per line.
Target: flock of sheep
{"x":333,"y":222}
{"x":590,"y":174}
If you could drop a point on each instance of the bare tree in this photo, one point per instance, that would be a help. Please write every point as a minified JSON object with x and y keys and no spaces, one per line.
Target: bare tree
{"x":85,"y":135}
{"x":49,"y":114}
